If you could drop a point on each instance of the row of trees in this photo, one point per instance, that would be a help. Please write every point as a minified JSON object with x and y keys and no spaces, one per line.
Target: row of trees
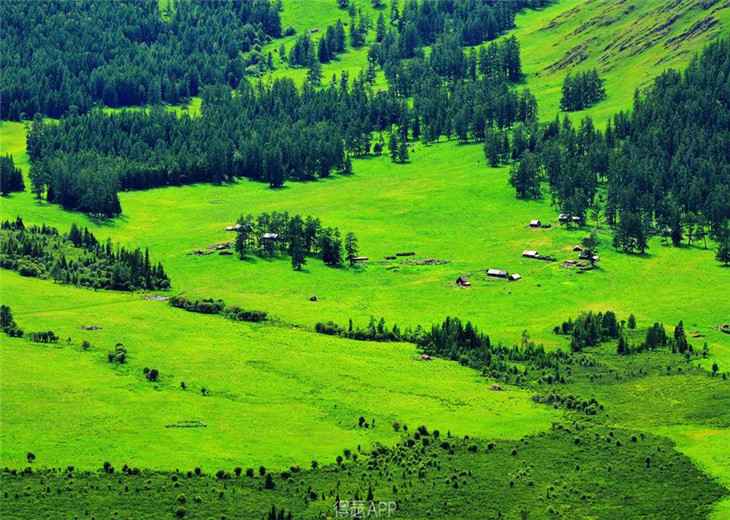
{"x":77,"y":258}
{"x":664,"y":166}
{"x":62,"y":57}
{"x":298,"y":237}
{"x":210,"y":306}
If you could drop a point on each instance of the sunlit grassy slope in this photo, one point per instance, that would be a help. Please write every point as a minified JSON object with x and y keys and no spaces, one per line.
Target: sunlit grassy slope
{"x":277,"y":395}
{"x":630,"y":42}
{"x":446,"y":204}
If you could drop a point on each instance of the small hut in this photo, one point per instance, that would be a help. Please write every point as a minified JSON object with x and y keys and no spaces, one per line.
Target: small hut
{"x":530,"y":254}
{"x":514,"y":277}
{"x":564,"y":217}
{"x":535,"y":223}
{"x":360,"y":259}
{"x":577,"y":249}
{"x":270,"y":236}
{"x":425,"y":357}
{"x":576,"y":219}
{"x":496,"y":387}
{"x":463,"y":282}
{"x":497,"y":273}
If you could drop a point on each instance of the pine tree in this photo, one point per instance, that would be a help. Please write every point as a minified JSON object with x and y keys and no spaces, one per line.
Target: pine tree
{"x":380,"y":28}
{"x":393,"y":146}
{"x":351,"y":247}
{"x":403,"y":152}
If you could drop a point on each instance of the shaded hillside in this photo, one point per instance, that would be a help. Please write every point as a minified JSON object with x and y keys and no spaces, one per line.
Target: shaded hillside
{"x":629,"y":41}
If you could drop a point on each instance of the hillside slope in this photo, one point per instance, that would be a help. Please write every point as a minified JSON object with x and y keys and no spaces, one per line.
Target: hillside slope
{"x":629,"y":41}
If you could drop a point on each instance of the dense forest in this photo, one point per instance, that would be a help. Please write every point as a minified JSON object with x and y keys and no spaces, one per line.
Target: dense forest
{"x":269,"y":132}
{"x":61,"y":56}
{"x":662,"y":168}
{"x":77,"y":258}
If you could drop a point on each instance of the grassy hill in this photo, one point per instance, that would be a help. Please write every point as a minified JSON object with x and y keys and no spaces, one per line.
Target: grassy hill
{"x":630,"y":42}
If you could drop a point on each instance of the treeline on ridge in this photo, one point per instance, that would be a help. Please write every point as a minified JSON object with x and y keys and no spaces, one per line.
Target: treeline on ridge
{"x":77,"y":258}
{"x":64,"y":57}
{"x":665,"y":166}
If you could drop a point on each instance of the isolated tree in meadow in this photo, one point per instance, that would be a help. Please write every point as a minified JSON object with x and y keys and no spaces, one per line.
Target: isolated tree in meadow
{"x":715,"y":368}
{"x":351,"y":247}
{"x":632,"y":322}
{"x":30,"y":457}
{"x":6,"y":318}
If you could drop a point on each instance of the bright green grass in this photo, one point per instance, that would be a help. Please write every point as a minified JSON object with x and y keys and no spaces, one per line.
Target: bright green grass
{"x":445,"y":204}
{"x":709,"y":449}
{"x":629,"y":42}
{"x":278,"y":396}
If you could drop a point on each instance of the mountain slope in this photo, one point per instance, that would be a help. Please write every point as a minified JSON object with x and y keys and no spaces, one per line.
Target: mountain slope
{"x":629,"y":41}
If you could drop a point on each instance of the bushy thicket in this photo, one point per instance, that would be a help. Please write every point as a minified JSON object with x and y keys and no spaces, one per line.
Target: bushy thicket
{"x":210,"y":306}
{"x":77,"y":258}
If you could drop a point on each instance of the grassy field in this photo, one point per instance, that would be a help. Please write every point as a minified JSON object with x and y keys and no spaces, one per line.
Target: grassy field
{"x":277,"y":396}
{"x":281,"y":395}
{"x":445,"y":204}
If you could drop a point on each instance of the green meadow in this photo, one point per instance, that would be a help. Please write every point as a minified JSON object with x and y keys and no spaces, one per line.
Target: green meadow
{"x":445,"y":204}
{"x":277,"y":394}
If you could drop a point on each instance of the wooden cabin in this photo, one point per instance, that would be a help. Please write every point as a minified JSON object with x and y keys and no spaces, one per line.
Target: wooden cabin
{"x":463,"y":282}
{"x":535,"y":223}
{"x":514,"y":277}
{"x":530,"y":254}
{"x":497,"y":273}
